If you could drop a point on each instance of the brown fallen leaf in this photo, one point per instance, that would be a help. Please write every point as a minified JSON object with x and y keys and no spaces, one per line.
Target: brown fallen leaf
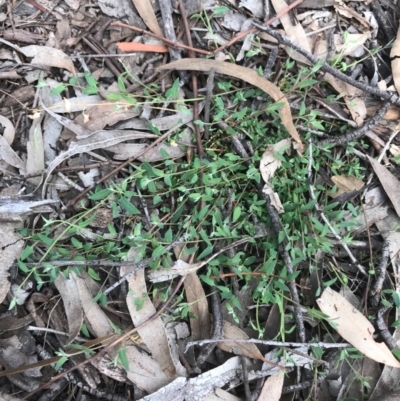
{"x":247,"y":75}
{"x":354,"y":327}
{"x":50,"y":56}
{"x":146,"y":11}
{"x":232,"y":332}
{"x":295,"y":32}
{"x":390,"y":183}
{"x":272,"y":389}
{"x":153,"y":333}
{"x":345,"y":184}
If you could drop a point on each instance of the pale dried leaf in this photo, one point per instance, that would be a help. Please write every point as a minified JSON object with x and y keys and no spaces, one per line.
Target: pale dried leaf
{"x":11,"y":245}
{"x":354,"y":327}
{"x":96,"y":318}
{"x":269,"y":163}
{"x":180,"y":268}
{"x":145,"y":10}
{"x":9,"y":156}
{"x":346,"y":184}
{"x":48,"y":56}
{"x":8,"y":129}
{"x":70,"y":297}
{"x":196,"y":298}
{"x":390,"y":183}
{"x":294,"y":31}
{"x":153,"y":333}
{"x":395,"y":60}
{"x":247,"y":75}
{"x":232,"y":332}
{"x":349,"y":12}
{"x":352,"y":96}
{"x":74,"y":4}
{"x":75,"y":104}
{"x":255,"y":6}
{"x":144,"y":371}
{"x":221,"y":395}
{"x":35,"y":151}
{"x":272,"y":389}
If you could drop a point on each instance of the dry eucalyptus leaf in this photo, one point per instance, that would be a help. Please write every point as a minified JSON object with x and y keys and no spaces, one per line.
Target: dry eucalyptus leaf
{"x":247,"y":75}
{"x":354,"y":327}
{"x":145,"y":10}
{"x":48,"y":56}
{"x":141,"y":309}
{"x":390,"y":183}
{"x":395,"y":57}
{"x":272,"y":389}
{"x":70,"y":297}
{"x":295,"y":32}
{"x":345,"y":184}
{"x":97,"y":319}
{"x":232,"y":332}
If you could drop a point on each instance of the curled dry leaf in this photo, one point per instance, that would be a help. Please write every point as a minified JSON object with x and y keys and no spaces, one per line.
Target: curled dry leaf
{"x":48,"y":56}
{"x":247,"y":75}
{"x":390,"y":183}
{"x":354,"y":327}
{"x":268,"y":165}
{"x":395,"y":57}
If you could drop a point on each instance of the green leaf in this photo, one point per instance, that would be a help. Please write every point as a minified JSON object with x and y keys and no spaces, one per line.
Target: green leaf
{"x":128,"y":206}
{"x":100,"y":195}
{"x":307,"y":82}
{"x":60,"y":362}
{"x":158,"y":251}
{"x":173,"y":91}
{"x":220,"y":10}
{"x":26,"y":252}
{"x":77,"y":244}
{"x":123,"y":358}
{"x":236,"y":213}
{"x":93,"y":274}
{"x":58,"y":89}
{"x":22,"y":266}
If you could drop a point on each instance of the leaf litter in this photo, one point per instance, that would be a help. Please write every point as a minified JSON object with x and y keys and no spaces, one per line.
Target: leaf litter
{"x":145,"y":165}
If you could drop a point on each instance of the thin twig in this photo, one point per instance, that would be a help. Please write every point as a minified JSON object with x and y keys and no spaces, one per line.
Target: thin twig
{"x":207,"y":105}
{"x":383,"y":329}
{"x":271,"y":343}
{"x":245,"y":375}
{"x":360,"y":132}
{"x":381,"y":274}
